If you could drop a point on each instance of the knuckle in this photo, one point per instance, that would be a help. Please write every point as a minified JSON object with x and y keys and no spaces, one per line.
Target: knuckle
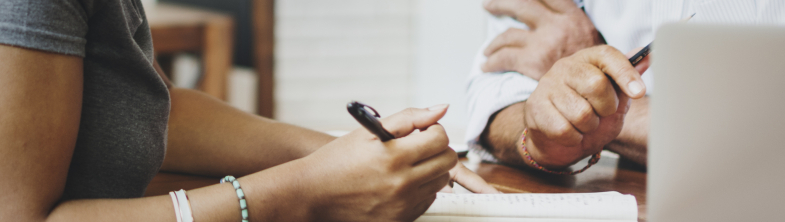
{"x":585,"y":113}
{"x":561,"y":131}
{"x":398,"y":187}
{"x":627,"y":73}
{"x":394,"y":162}
{"x":596,"y":85}
{"x":441,"y":137}
{"x":453,"y":158}
{"x":507,"y":58}
{"x":586,"y":118}
{"x":507,"y":35}
{"x":390,"y":164}
{"x":561,"y":63}
{"x":409,"y":112}
{"x":606,"y":50}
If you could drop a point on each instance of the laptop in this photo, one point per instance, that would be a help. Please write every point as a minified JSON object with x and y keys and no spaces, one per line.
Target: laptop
{"x":717,"y":143}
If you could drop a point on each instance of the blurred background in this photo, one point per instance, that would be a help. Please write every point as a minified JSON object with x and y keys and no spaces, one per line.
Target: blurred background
{"x":301,"y":61}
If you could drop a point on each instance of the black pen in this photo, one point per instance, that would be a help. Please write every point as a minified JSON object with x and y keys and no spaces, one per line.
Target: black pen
{"x":635,"y":59}
{"x":368,"y":120}
{"x":638,"y":57}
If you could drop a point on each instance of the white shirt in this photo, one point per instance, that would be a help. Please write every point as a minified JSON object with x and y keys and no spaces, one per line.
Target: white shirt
{"x":625,"y":26}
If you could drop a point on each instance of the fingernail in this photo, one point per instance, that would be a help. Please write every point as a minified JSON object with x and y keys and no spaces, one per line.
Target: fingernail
{"x":635,"y":87}
{"x":438,"y":107}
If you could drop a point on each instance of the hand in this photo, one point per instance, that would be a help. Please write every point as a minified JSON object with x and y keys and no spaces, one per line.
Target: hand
{"x":579,"y":105}
{"x":359,"y":178}
{"x":558,"y":28}
{"x":469,"y":180}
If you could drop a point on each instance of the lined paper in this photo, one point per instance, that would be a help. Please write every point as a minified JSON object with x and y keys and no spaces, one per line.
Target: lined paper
{"x":607,"y":206}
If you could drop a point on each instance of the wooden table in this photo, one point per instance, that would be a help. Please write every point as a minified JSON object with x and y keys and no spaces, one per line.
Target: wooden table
{"x":607,"y":175}
{"x":176,"y":29}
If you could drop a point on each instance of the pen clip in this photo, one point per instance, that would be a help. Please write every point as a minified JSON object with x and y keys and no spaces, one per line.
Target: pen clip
{"x":362,"y":106}
{"x":368,"y":120}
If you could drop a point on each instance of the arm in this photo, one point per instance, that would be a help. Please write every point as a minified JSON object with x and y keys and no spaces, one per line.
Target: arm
{"x":502,"y":136}
{"x":209,"y":137}
{"x":41,"y":106}
{"x":632,"y":142}
{"x":41,"y":102}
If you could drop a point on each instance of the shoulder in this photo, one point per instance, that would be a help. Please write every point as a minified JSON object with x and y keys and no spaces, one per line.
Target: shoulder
{"x":57,"y":26}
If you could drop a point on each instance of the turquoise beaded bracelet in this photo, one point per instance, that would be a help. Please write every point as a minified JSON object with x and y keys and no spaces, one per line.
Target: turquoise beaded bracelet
{"x":240,"y":194}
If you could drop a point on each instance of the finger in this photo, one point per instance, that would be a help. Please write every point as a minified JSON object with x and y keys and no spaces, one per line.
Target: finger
{"x":423,"y":145}
{"x":406,"y":121}
{"x":577,"y":110}
{"x":529,"y":12}
{"x":544,"y":117}
{"x":511,"y":38}
{"x":560,"y":6}
{"x":644,"y":64}
{"x":503,"y":59}
{"x":593,"y":85}
{"x":470,"y":180}
{"x":617,"y":66}
{"x":435,"y":166}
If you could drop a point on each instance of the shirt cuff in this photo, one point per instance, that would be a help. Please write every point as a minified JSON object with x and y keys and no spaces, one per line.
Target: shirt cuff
{"x":489,"y":93}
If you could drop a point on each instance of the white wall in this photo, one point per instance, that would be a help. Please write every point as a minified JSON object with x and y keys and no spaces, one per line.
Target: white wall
{"x":447,"y":37}
{"x":390,"y":54}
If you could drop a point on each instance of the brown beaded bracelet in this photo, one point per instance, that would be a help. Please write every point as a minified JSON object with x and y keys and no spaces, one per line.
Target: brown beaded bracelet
{"x":594,"y":159}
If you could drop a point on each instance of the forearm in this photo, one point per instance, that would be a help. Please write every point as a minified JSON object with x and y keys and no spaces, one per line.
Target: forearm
{"x":271,"y":195}
{"x":633,"y":139}
{"x":208,"y":137}
{"x":502,"y":134}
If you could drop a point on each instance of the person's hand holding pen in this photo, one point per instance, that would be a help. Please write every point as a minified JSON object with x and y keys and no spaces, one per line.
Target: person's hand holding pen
{"x":557,"y":29}
{"x":580,"y":105}
{"x":370,"y":180}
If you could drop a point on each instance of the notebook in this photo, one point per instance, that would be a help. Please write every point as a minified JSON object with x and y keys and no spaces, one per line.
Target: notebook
{"x":528,"y":207}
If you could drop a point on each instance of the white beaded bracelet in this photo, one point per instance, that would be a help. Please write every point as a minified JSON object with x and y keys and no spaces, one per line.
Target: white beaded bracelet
{"x":176,"y":206}
{"x":185,"y":206}
{"x":240,"y":195}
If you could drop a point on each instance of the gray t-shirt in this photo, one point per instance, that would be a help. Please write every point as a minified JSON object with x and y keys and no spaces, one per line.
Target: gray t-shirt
{"x":125,"y":107}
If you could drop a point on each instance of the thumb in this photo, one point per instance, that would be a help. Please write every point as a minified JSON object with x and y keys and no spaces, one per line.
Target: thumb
{"x":406,"y":121}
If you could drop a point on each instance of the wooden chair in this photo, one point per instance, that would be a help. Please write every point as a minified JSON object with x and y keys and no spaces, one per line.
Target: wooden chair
{"x":264,"y":61}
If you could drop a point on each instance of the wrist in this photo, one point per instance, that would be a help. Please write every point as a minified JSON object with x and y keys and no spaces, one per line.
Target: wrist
{"x":553,"y":157}
{"x":279,"y":193}
{"x":549,"y":166}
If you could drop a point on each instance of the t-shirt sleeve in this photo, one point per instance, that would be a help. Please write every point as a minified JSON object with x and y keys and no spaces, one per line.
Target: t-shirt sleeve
{"x":57,"y":26}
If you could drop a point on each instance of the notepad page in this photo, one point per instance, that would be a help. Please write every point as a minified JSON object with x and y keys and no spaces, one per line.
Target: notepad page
{"x":589,"y":206}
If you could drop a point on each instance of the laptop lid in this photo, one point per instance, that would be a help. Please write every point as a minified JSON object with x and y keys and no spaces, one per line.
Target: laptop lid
{"x":717,"y":143}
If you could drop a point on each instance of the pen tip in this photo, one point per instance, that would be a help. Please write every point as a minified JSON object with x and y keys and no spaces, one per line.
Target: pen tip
{"x":688,"y":17}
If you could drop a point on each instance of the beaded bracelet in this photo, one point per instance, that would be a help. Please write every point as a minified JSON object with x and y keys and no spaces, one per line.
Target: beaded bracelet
{"x":240,"y":195}
{"x":594,"y":159}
